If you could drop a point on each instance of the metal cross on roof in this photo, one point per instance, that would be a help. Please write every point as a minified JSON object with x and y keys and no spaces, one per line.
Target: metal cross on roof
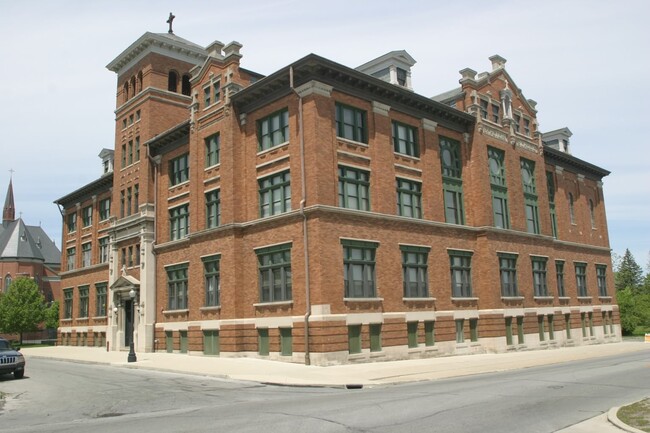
{"x":170,"y":20}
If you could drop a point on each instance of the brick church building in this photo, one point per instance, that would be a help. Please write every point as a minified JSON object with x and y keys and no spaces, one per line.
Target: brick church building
{"x":325,"y":214}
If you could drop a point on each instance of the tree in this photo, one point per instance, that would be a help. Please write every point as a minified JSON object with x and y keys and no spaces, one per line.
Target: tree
{"x":22,"y":307}
{"x":52,"y":315}
{"x":629,"y":273}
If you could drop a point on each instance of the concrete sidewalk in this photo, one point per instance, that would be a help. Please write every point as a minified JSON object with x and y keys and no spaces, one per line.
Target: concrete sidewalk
{"x":367,"y":374}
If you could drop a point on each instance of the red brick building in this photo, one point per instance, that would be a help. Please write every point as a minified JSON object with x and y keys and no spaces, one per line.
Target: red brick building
{"x":326,"y":214}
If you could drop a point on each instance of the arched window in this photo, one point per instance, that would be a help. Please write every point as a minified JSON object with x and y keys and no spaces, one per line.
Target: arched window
{"x":7,"y":282}
{"x":186,"y":87}
{"x":591,"y":213}
{"x":572,"y":214}
{"x":139,"y":82}
{"x":133,"y":91}
{"x":125,"y":90}
{"x":172,"y":82}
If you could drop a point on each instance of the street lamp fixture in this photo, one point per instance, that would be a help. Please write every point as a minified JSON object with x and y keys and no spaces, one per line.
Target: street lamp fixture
{"x":132,"y":357}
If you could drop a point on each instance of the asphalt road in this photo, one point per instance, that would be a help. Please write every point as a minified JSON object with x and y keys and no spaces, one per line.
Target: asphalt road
{"x":58,"y":396}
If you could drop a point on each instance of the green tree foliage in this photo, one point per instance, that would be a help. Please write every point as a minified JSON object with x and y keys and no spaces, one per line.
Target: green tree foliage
{"x":634,"y":310}
{"x":22,"y":307}
{"x":52,"y":315}
{"x":629,"y":273}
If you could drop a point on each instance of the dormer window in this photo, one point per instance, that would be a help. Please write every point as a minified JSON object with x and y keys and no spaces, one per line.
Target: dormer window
{"x":212,"y":92}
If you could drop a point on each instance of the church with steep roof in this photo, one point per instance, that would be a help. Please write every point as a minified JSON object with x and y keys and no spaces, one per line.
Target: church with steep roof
{"x":27,"y":251}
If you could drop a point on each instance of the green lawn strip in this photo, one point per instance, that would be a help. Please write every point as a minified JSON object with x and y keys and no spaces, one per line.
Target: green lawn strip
{"x":636,"y":415}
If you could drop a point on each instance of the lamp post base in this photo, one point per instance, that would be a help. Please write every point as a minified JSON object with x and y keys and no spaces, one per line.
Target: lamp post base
{"x":132,"y":357}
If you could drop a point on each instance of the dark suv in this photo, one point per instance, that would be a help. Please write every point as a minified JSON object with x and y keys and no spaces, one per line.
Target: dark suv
{"x":11,"y":360}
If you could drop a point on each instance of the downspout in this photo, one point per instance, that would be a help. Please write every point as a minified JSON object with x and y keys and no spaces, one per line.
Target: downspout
{"x":305,"y":234}
{"x":155,"y":231}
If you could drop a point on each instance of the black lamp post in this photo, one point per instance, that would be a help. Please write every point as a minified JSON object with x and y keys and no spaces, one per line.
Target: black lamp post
{"x":132,"y":357}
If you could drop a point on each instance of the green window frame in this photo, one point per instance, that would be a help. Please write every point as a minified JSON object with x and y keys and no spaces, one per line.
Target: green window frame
{"x":429,"y":333}
{"x":124,"y":155}
{"x":450,"y":160}
{"x":211,"y":343}
{"x":581,"y":278}
{"x":86,"y":254}
{"x":460,"y":330}
{"x":415,"y":271}
{"x":104,"y":209}
{"x":72,"y":222}
{"x":71,"y":258}
{"x":375,"y":337}
{"x":184,"y":342}
{"x":484,"y":108}
{"x":520,"y":330}
{"x":212,"y":150}
{"x":354,"y":188}
{"x":100,"y":299}
{"x":103,"y":250}
{"x":274,"y":267}
{"x":286,"y":342}
{"x":87,"y":216}
{"x":496,"y":115}
{"x":137,"y":148}
{"x":540,"y":285}
{"x":275,"y":194}
{"x":509,"y":340}
{"x":530,"y":195}
{"x":351,"y":123}
{"x":473,"y":330}
{"x":67,"y":303}
{"x":212,"y":280}
{"x":559,"y":277}
{"x":83,"y":301}
{"x":508,"y":274}
{"x":412,"y":334}
{"x":273,"y":130}
{"x":179,"y":222}
{"x":169,"y":341}
{"x":496,"y":167}
{"x":263,"y":341}
{"x":409,"y":198}
{"x":179,"y":169}
{"x":354,"y":339}
{"x":213,"y":209}
{"x":550,"y":186}
{"x":405,"y":139}
{"x":177,"y":287}
{"x":359,"y":268}
{"x":207,"y":96}
{"x":601,"y":279}
{"x":461,"y":273}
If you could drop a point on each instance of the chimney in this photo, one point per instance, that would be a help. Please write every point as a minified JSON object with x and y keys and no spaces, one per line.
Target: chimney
{"x":214,"y":49}
{"x":232,"y":49}
{"x":498,"y":62}
{"x":467,"y":74}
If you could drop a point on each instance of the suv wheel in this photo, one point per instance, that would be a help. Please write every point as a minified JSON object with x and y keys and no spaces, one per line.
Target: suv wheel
{"x":18,"y":374}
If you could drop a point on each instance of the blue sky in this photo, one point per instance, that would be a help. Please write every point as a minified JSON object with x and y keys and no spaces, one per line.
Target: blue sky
{"x":585,"y":62}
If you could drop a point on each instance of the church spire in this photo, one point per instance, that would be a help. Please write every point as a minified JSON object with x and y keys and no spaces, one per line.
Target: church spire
{"x":9,"y":210}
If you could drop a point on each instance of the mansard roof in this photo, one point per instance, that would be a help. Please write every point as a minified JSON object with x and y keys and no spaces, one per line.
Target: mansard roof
{"x":19,"y":241}
{"x":95,"y":187}
{"x":351,"y":81}
{"x":570,"y":162}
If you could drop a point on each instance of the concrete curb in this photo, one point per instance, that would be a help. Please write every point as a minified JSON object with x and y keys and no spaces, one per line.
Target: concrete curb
{"x":613,"y":418}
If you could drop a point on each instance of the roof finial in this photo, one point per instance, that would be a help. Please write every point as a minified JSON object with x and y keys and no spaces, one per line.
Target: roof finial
{"x":170,"y":20}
